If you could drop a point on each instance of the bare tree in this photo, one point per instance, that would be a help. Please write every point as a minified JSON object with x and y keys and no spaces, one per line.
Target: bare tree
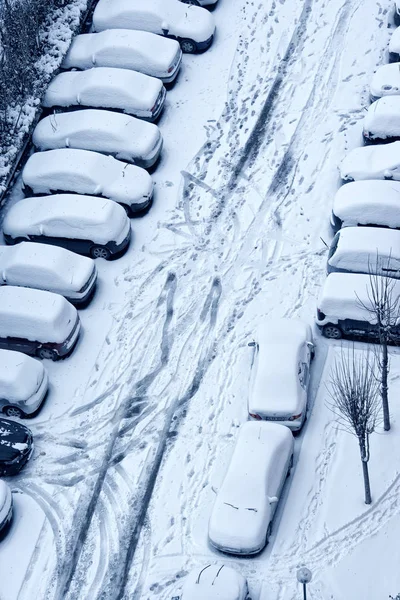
{"x":354,"y":399}
{"x":384,"y":308}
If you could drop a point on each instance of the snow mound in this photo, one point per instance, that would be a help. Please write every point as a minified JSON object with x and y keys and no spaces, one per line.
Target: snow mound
{"x":368,"y":203}
{"x":372,"y":162}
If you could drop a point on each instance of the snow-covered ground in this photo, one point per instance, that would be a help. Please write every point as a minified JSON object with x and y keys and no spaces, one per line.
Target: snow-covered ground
{"x":141,"y":419}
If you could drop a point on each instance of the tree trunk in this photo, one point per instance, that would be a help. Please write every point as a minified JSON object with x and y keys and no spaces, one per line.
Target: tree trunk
{"x":367,"y":488}
{"x":384,"y":386}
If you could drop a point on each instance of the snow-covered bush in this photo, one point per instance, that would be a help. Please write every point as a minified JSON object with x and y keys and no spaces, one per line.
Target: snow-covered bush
{"x":34,"y":36}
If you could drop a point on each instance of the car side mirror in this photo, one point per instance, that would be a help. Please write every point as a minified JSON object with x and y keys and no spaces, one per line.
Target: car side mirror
{"x":272,"y":499}
{"x":41,"y":229}
{"x":165,"y":27}
{"x":388,"y":174}
{"x":310,"y":345}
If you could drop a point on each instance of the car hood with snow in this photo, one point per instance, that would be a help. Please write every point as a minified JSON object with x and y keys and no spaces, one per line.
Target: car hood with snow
{"x":244,"y":506}
{"x":372,"y":162}
{"x":20,"y":375}
{"x":87,"y":217}
{"x":85,"y":172}
{"x":105,"y":87}
{"x":214,"y":582}
{"x":140,"y":51}
{"x":122,"y":136}
{"x":51,"y":268}
{"x":382,"y":120}
{"x":385,"y":81}
{"x":15,"y":439}
{"x":180,"y":20}
{"x":368,"y":203}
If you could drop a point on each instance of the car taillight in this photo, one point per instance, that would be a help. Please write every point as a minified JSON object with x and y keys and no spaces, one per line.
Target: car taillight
{"x":295,"y":417}
{"x":254,"y":416}
{"x":170,"y":69}
{"x":321,"y":316}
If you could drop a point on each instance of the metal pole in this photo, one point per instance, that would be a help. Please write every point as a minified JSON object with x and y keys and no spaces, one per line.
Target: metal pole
{"x":305,"y":591}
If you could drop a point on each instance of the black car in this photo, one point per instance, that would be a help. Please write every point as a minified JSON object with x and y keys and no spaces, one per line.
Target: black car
{"x":16,"y":446}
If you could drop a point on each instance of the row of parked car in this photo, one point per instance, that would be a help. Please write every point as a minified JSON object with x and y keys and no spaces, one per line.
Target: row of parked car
{"x":366,"y":214}
{"x":94,"y":147}
{"x":366,"y":222}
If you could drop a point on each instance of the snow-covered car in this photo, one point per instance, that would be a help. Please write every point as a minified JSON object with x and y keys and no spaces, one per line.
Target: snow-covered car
{"x":23,"y":384}
{"x":372,"y":162}
{"x":200,"y":2}
{"x":38,"y":323}
{"x":121,"y":136}
{"x":140,"y":51}
{"x":241,"y":519}
{"x":397,"y":13}
{"x":85,"y":224}
{"x":344,"y":308}
{"x":382,"y":121}
{"x":385,"y":81}
{"x":281,"y":372}
{"x":214,"y":582}
{"x":6,"y":507}
{"x":367,"y":203}
{"x":49,"y":268}
{"x":193,"y":27}
{"x":360,"y":249}
{"x":84,"y":172}
{"x":16,"y":446}
{"x":105,"y":87}
{"x":394,"y":43}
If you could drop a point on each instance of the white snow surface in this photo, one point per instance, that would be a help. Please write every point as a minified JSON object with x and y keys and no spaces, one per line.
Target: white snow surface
{"x":44,"y":267}
{"x":86,"y":172}
{"x":359,"y":248}
{"x":386,"y":81}
{"x":67,"y":215}
{"x":368,"y":203}
{"x":35,"y":315}
{"x":20,"y":376}
{"x":105,"y":87}
{"x":372,"y":162}
{"x":383,"y":118}
{"x":348,"y":296}
{"x":180,"y":20}
{"x":214,"y":582}
{"x":98,"y":130}
{"x":143,"y":416}
{"x":244,"y":505}
{"x":123,"y":48}
{"x":276,"y":389}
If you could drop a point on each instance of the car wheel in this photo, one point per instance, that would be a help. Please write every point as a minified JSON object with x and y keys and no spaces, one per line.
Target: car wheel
{"x":127,"y":209}
{"x":100,"y":252}
{"x":188,"y":46}
{"x":47,"y":353}
{"x":191,"y":2}
{"x":332,"y":332}
{"x":290,"y":466}
{"x":14,"y":411}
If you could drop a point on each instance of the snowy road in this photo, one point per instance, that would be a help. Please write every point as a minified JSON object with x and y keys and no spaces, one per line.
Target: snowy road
{"x":143,"y":416}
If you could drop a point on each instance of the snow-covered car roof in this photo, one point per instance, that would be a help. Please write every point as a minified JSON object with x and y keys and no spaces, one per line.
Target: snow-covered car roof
{"x":385,"y":81}
{"x":28,"y":263}
{"x":35,"y":315}
{"x":97,"y":130}
{"x":368,"y":202}
{"x":383,"y":118}
{"x":181,"y":20}
{"x":358,"y":243}
{"x":20,"y":375}
{"x":123,"y":48}
{"x":81,"y":217}
{"x":275,"y":383}
{"x":106,"y":87}
{"x":345,"y":296}
{"x":214,"y":582}
{"x":86,"y":172}
{"x":242,"y":510}
{"x":372,"y":162}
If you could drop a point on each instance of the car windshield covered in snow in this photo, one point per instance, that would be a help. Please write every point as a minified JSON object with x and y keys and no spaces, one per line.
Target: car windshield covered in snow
{"x":372,"y":162}
{"x":214,"y":582}
{"x":20,"y":375}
